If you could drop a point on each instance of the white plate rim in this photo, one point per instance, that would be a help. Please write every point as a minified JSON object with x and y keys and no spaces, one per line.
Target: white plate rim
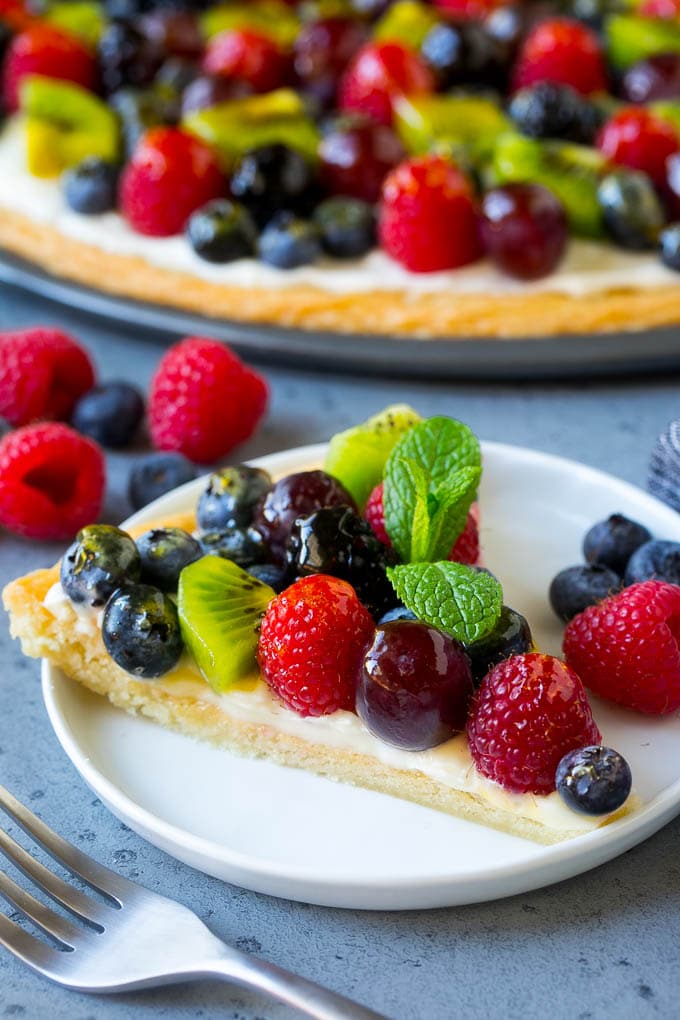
{"x":557,"y":862}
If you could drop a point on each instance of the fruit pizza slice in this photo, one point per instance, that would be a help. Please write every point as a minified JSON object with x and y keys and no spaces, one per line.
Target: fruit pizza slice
{"x":337,"y":620}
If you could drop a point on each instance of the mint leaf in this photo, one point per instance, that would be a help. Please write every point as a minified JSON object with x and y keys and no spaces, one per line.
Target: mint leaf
{"x":441,"y":446}
{"x":449,"y":507}
{"x":457,"y":599}
{"x":406,"y":505}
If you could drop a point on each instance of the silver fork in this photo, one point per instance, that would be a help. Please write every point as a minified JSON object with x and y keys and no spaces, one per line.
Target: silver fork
{"x":132,"y":938}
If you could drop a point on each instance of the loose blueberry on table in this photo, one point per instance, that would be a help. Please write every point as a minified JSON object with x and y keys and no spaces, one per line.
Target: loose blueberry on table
{"x":289,"y":131}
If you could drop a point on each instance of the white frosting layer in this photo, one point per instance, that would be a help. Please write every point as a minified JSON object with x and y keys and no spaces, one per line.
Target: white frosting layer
{"x":449,"y":763}
{"x":588,"y":268}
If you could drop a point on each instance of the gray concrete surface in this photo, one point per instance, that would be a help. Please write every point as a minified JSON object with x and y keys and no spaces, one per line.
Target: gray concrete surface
{"x":599,"y":946}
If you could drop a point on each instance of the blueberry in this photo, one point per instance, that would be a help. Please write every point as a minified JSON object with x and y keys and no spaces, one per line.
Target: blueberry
{"x":110,"y":414}
{"x":631,"y":210}
{"x":272,"y":178}
{"x":444,"y":49}
{"x":91,"y":187}
{"x":611,"y":543}
{"x":288,"y":242}
{"x":669,"y":246}
{"x":347,"y":226}
{"x":101,"y":559}
{"x":222,"y":231}
{"x":576,"y":588}
{"x":164,"y":553}
{"x":157,"y":474}
{"x":127,"y":57}
{"x":398,"y":613}
{"x":510,"y":636}
{"x":276,"y":577}
{"x":141,"y":631}
{"x":593,"y":780}
{"x":551,"y":110}
{"x":231,"y":496}
{"x":336,"y":541}
{"x":655,"y":560}
{"x":243,"y":546}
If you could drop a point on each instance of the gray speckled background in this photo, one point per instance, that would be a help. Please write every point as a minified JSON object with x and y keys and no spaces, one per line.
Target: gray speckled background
{"x":598,"y":946}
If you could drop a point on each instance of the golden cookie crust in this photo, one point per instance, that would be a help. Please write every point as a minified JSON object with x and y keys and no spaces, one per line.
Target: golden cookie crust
{"x":425,"y":316}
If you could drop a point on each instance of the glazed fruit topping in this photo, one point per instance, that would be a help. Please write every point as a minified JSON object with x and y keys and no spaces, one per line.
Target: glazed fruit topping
{"x":274,"y":178}
{"x":346,"y":225}
{"x":510,"y":636}
{"x":231,"y":497}
{"x":244,"y":546}
{"x":164,"y":553}
{"x":524,"y":228}
{"x":415,"y":686}
{"x":562,"y":50}
{"x":222,"y":231}
{"x":100,"y":560}
{"x":288,"y":242}
{"x":248,"y":56}
{"x":641,"y":140}
{"x":91,"y":187}
{"x":355,"y":156}
{"x":529,"y":712}
{"x":380,"y":73}
{"x":594,"y":780}
{"x":42,"y":49}
{"x":141,"y":631}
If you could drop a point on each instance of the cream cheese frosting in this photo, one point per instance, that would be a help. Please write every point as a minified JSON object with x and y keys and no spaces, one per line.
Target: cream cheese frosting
{"x":449,"y":763}
{"x":588,"y":267}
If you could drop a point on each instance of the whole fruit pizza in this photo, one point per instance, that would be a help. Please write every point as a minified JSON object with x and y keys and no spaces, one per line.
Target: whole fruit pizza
{"x":457,"y":168}
{"x":341,"y":620}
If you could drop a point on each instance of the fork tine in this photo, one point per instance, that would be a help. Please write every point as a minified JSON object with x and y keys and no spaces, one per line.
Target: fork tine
{"x":47,"y":920}
{"x":54,"y":886}
{"x":30,"y":950}
{"x":79,"y":864}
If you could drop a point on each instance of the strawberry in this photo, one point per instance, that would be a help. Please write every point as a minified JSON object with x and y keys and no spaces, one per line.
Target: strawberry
{"x":43,"y":49}
{"x":378,"y":75}
{"x":562,"y":50}
{"x":249,"y":57}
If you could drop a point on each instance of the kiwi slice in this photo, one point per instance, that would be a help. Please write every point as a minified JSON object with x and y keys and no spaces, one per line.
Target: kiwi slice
{"x":239,"y":125}
{"x":270,"y":17}
{"x":64,"y":124}
{"x":81,"y":18}
{"x":471,"y":122}
{"x":357,"y":456}
{"x":572,"y":172}
{"x":406,"y":21}
{"x":668,"y":109}
{"x":630,"y":38}
{"x":220,"y":607}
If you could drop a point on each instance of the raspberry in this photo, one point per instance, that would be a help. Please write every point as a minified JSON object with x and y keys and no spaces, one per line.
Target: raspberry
{"x":204,"y":400}
{"x":427,"y":218}
{"x":43,"y":372}
{"x":627,"y":648}
{"x":528,"y":713}
{"x":637,"y":138}
{"x":562,"y":50}
{"x":466,"y":549}
{"x":247,"y":56}
{"x":170,"y":176}
{"x":667,"y":9}
{"x":379,"y":74}
{"x":468,"y":10}
{"x":14,"y":14}
{"x":43,"y":49}
{"x":312,"y":642}
{"x":51,"y":481}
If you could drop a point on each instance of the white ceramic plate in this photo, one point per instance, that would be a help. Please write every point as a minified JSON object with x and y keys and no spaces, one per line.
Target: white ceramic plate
{"x":290,"y":834}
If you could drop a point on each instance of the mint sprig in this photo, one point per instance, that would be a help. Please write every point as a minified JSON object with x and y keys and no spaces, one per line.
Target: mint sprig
{"x":460,"y":600}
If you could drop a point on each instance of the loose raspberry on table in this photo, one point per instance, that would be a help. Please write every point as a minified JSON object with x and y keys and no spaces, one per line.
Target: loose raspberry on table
{"x":170,"y":176}
{"x":378,"y":75}
{"x":627,"y":648}
{"x":466,"y":548}
{"x":312,"y":641}
{"x":43,"y":373}
{"x":637,"y":138}
{"x":46,"y":50}
{"x":562,"y":50}
{"x":52,"y":481}
{"x":204,"y":400}
{"x":528,"y":713}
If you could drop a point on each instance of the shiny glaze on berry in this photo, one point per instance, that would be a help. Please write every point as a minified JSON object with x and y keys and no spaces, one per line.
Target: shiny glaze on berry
{"x":356,"y":154}
{"x":231,"y":496}
{"x":594,"y":780}
{"x":141,"y":631}
{"x":101,"y":559}
{"x":164,"y":553}
{"x":511,"y":636}
{"x":524,"y":229}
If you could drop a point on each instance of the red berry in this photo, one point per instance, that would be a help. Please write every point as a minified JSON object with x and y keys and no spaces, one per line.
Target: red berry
{"x":627,"y":648}
{"x":528,"y":713}
{"x":562,"y":50}
{"x":466,"y":549}
{"x":51,"y":481}
{"x":356,"y":156}
{"x":637,"y":138}
{"x":312,"y":642}
{"x":15,"y":14}
{"x":203,"y":400}
{"x":524,"y":229}
{"x":669,"y":9}
{"x":247,"y":56}
{"x":170,"y":176}
{"x":43,"y":49}
{"x":43,"y":373}
{"x":468,"y":10}
{"x":427,"y":218}
{"x":378,"y":75}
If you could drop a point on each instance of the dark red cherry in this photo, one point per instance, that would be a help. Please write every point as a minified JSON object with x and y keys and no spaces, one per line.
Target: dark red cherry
{"x":655,"y":78}
{"x":415,"y":686}
{"x":356,"y":155}
{"x":322,"y":51}
{"x":176,"y":32}
{"x":524,"y":229}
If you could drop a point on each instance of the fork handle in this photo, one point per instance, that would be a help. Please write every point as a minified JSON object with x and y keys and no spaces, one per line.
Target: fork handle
{"x":306,"y":996}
